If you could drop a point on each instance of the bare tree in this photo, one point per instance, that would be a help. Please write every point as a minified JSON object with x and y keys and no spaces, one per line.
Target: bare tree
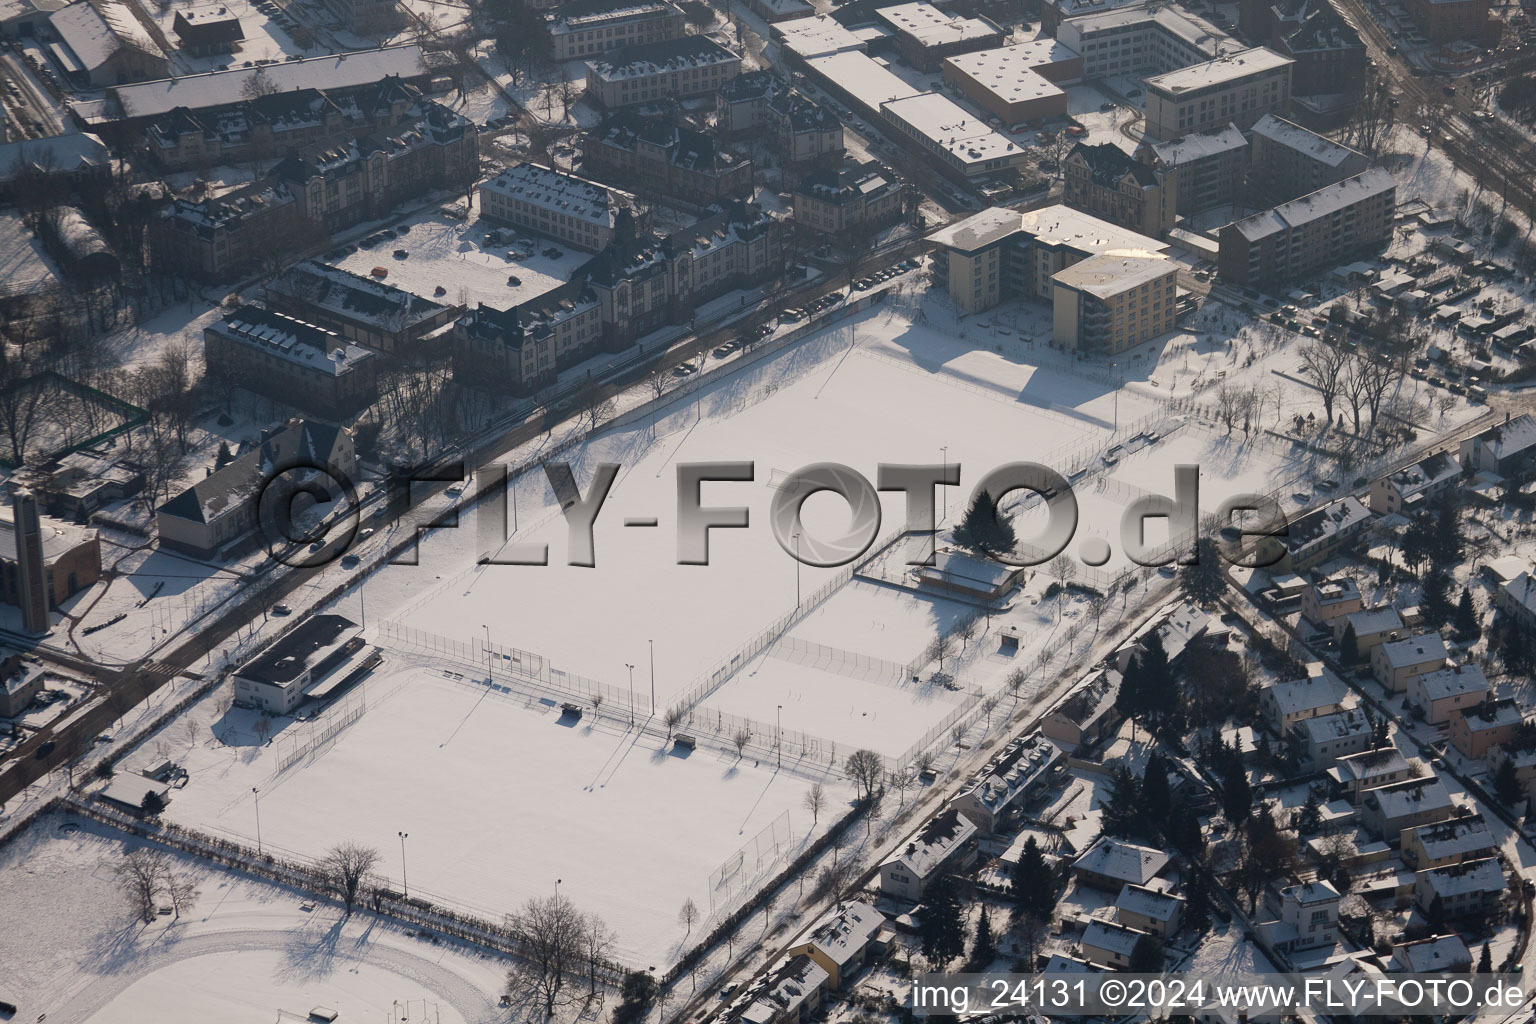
{"x":866,"y":768}
{"x":597,"y":941}
{"x":814,"y":800}
{"x":1322,"y":364}
{"x":740,"y":740}
{"x":548,"y":931}
{"x":674,"y":716}
{"x":1062,"y":571}
{"x":939,"y":648}
{"x":346,"y":867}
{"x":141,"y":875}
{"x":179,"y":887}
{"x":688,"y":916}
{"x":967,"y":628}
{"x":596,"y":409}
{"x":658,"y":380}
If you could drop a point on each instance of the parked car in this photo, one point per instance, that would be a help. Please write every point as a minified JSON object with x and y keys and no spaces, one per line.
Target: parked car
{"x":281,"y":609}
{"x":401,"y":254}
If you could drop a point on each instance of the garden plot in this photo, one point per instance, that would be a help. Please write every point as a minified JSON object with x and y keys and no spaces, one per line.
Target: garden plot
{"x":453,"y":255}
{"x":502,"y":803}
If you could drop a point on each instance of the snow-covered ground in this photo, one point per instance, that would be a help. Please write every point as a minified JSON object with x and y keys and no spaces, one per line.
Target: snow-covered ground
{"x":503,"y":800}
{"x":245,"y":950}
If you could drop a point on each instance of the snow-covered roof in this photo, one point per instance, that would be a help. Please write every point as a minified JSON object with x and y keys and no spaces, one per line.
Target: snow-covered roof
{"x":130,"y":788}
{"x":936,"y":842}
{"x":1300,"y":695}
{"x":1121,"y":860}
{"x":1148,"y":902}
{"x":783,"y":992}
{"x":1509,"y":438}
{"x":1452,"y":681}
{"x":1411,"y":797}
{"x":291,"y":339}
{"x":1434,"y":955}
{"x":843,"y":936}
{"x":950,"y":127}
{"x":1338,"y":590}
{"x":586,"y":15}
{"x":1370,"y":765}
{"x":660,"y":57}
{"x":1060,"y":963}
{"x":1294,"y":137}
{"x":1424,"y":474}
{"x":1492,"y":714}
{"x":930,"y":26}
{"x":979,"y":230}
{"x":216,"y":88}
{"x":1371,"y":621}
{"x":1013,"y":771}
{"x":1112,"y":937}
{"x":1189,"y":148}
{"x":1310,"y":893}
{"x":818,"y":36}
{"x":1459,"y":879}
{"x":58,"y":537}
{"x":94,"y":32}
{"x":1419,"y":649}
{"x":1115,"y":272}
{"x":1221,"y":71}
{"x":1317,"y":526}
{"x":560,"y":193}
{"x":1323,"y":203}
{"x":1334,"y":726}
{"x":1455,"y":838}
{"x":1011,"y":72}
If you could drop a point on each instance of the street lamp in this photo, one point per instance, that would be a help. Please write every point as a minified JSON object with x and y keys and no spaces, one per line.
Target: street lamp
{"x":779,"y":721}
{"x":942,"y":485}
{"x":631,"y":692}
{"x":404,"y":882}
{"x":797,"y":572}
{"x":653,"y":675}
{"x":487,"y":652}
{"x":257,"y":795}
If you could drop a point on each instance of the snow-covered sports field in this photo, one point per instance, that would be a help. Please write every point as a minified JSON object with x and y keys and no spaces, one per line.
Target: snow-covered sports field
{"x":501,"y":798}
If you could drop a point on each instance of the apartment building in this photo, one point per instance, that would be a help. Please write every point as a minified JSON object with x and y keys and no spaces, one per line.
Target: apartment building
{"x":1001,"y":253}
{"x":218,"y":238}
{"x":801,"y":131}
{"x":651,"y":72}
{"x":363,"y":310}
{"x":1322,"y":229}
{"x":1105,"y":181}
{"x":667,"y":157}
{"x":583,"y":28}
{"x":1288,"y":161}
{"x":290,"y":361}
{"x":946,"y":840}
{"x":856,"y":196}
{"x":556,"y":205}
{"x":1329,"y":55}
{"x":1239,"y":88}
{"x":1136,"y":40}
{"x":1112,"y":302}
{"x":524,"y":347}
{"x":1204,"y":169}
{"x":926,"y":34}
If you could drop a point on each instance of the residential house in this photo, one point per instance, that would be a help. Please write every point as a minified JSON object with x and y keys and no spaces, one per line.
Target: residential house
{"x":788,"y":994}
{"x":557,"y":205}
{"x":1110,"y":863}
{"x":21,"y":680}
{"x":1150,"y":910}
{"x":999,"y":790}
{"x":1285,"y":704}
{"x":1319,"y":742}
{"x":1308,"y":918}
{"x":1355,"y":774}
{"x":944,"y":841}
{"x":1315,"y":537}
{"x":1503,"y":449}
{"x":524,"y":347}
{"x":1395,"y":662}
{"x":667,"y":157}
{"x":1088,"y":715}
{"x":1409,"y":490}
{"x":1109,"y":944}
{"x":1326,"y":600}
{"x":1448,"y":842}
{"x":1435,"y":695}
{"x":857,"y":198}
{"x":1438,"y":954}
{"x":1517,"y":599}
{"x":218,"y":512}
{"x":1388,"y":810}
{"x":845,"y":941}
{"x":1204,"y":169}
{"x":1474,"y":730}
{"x":1469,"y":889}
{"x":1372,"y":626}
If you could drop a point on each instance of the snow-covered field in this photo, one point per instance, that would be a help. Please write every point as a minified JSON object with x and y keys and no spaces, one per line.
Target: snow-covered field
{"x":503,"y":799}
{"x":73,"y":951}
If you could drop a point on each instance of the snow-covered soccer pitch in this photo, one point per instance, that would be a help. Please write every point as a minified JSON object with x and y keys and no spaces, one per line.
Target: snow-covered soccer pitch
{"x":501,"y":797}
